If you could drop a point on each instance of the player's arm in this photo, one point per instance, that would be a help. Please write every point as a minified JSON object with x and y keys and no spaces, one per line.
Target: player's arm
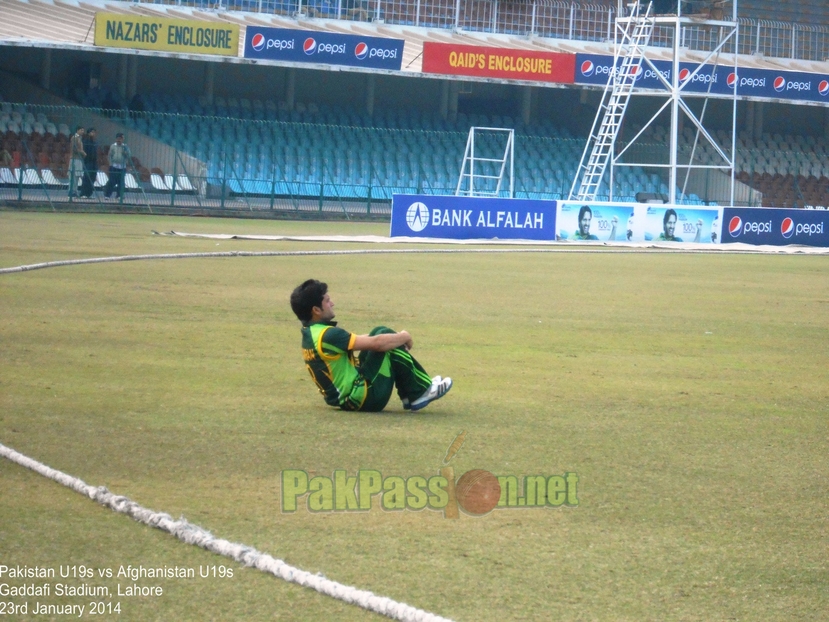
{"x":699,"y":231}
{"x":612,"y":236}
{"x":383,"y":342}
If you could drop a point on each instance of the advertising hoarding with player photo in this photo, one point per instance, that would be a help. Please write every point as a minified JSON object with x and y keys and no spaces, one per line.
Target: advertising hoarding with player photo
{"x":678,"y":223}
{"x":579,"y":221}
{"x":636,"y":222}
{"x":469,"y":218}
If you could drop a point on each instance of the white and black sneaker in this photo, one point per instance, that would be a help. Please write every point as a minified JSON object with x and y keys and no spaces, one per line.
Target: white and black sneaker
{"x":440,"y":387}
{"x":407,"y":405}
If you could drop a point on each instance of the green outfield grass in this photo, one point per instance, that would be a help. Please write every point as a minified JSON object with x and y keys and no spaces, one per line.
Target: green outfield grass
{"x":688,"y":392}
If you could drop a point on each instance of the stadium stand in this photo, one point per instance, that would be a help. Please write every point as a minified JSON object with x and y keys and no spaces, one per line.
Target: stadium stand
{"x":341,"y":153}
{"x":261,"y":147}
{"x":800,"y":11}
{"x":279,"y":150}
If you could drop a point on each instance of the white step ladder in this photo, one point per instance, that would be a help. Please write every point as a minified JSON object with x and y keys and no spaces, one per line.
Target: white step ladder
{"x":483,"y":176}
{"x":635,"y":32}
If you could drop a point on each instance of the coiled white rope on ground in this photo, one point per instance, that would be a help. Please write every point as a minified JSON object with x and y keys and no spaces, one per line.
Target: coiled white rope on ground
{"x":195,"y":535}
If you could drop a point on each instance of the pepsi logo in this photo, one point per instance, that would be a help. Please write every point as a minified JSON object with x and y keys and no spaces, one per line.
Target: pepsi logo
{"x":310,"y":46}
{"x":258,"y":42}
{"x":787,"y":228}
{"x":732,"y":80}
{"x":361,"y":51}
{"x":779,"y":84}
{"x":823,"y":88}
{"x":735,"y":226}
{"x":683,"y":74}
{"x":636,"y":72}
{"x":587,"y":68}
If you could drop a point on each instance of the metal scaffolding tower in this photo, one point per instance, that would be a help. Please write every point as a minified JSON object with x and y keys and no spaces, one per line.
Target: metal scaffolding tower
{"x":700,"y":154}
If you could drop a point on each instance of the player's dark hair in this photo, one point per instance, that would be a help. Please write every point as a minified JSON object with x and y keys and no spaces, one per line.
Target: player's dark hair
{"x":668,"y":213}
{"x":585,"y":208}
{"x":307,"y":296}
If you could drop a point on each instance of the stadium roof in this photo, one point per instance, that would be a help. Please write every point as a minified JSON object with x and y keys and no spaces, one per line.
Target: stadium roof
{"x":69,"y":24}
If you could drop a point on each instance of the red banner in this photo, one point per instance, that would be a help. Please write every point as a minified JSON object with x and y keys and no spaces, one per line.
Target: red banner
{"x":509,"y":64}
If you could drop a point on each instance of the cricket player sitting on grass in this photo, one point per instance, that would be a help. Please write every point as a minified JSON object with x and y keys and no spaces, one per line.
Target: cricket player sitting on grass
{"x":366,"y":382}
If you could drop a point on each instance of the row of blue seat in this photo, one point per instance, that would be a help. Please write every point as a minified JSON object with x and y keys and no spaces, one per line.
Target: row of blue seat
{"x":191,"y":116}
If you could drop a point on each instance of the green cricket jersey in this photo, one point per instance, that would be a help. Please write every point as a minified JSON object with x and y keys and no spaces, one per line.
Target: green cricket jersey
{"x":664,"y":238}
{"x":329,"y":357}
{"x":578,"y":235}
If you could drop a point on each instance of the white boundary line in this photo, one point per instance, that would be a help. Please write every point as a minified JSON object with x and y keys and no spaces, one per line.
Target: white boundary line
{"x":368,"y":251}
{"x":552,"y":245}
{"x":527,"y":246}
{"x":195,"y":535}
{"x":391,"y":251}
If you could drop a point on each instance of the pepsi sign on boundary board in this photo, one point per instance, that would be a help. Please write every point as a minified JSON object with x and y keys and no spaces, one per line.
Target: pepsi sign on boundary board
{"x":778,"y":227}
{"x":776,"y":84}
{"x":468,"y":218}
{"x":310,"y":46}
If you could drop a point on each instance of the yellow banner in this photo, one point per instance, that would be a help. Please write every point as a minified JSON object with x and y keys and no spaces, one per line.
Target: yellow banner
{"x":167,"y":35}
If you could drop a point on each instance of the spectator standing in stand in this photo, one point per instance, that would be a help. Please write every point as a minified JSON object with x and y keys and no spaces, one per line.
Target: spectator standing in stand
{"x":119,"y":156}
{"x":76,"y":158}
{"x":90,"y":161}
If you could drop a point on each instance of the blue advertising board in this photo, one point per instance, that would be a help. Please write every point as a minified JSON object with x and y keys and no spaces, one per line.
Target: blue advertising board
{"x":777,"y":227}
{"x":720,"y":79}
{"x":468,"y":218}
{"x":312,"y":46}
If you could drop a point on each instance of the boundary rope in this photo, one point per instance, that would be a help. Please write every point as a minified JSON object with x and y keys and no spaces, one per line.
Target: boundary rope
{"x":381,"y":251}
{"x":197,"y":536}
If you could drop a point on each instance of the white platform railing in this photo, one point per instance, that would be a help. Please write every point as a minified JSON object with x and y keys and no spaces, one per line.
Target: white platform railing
{"x":542,"y":18}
